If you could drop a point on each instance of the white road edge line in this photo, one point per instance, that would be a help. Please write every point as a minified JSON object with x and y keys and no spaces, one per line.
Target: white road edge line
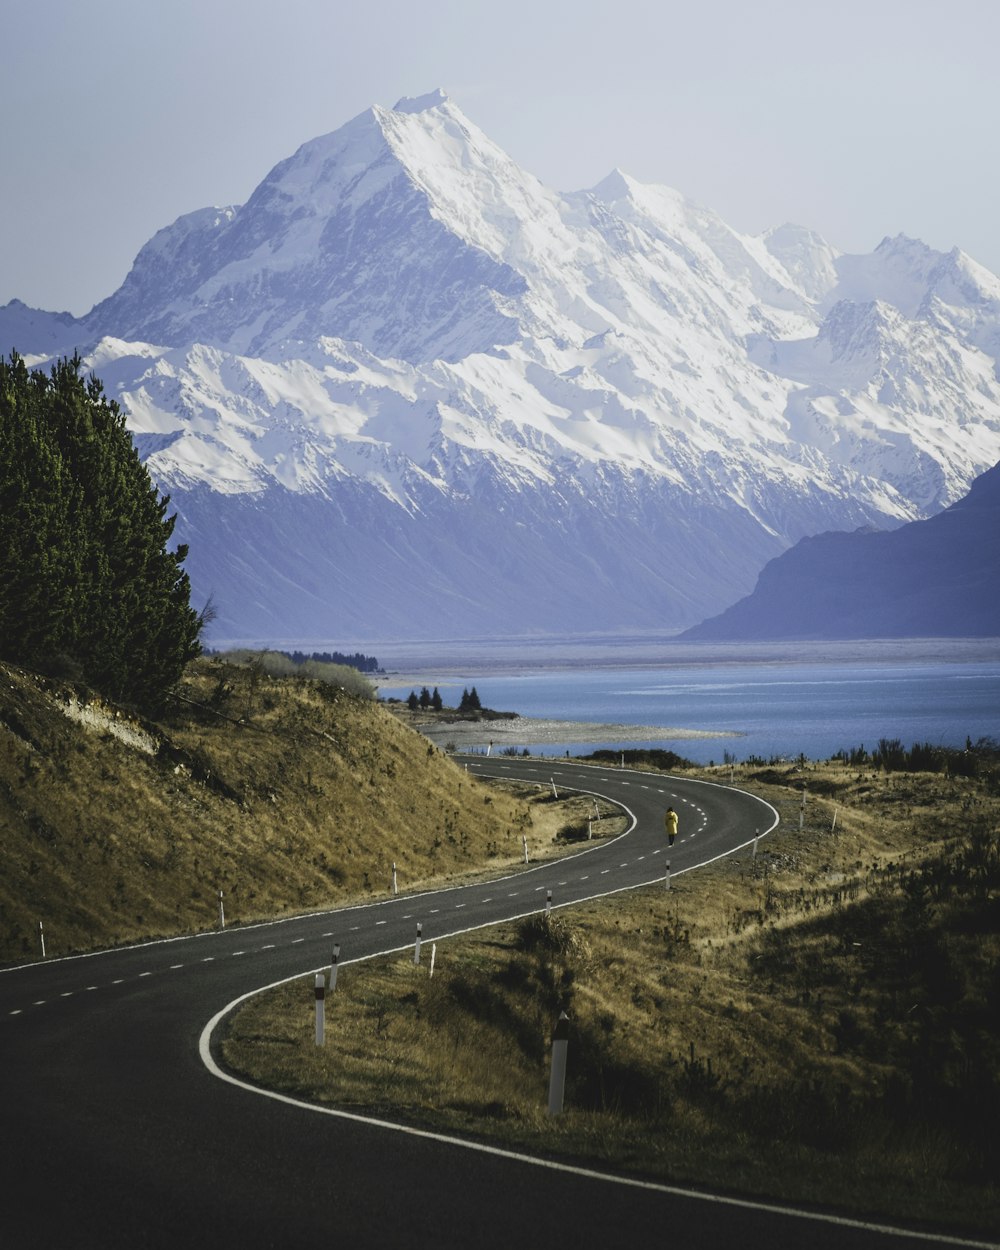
{"x":552,"y":1165}
{"x":205,"y":1052}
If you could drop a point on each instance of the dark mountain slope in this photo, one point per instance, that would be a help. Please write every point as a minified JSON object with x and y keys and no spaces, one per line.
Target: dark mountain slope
{"x":933,"y":578}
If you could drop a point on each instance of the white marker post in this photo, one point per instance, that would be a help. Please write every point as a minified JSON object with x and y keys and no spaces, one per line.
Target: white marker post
{"x":548,"y":901}
{"x":222,"y":913}
{"x":334,"y":963}
{"x":434,"y":951}
{"x":555,"y":792}
{"x":666,"y":883}
{"x":756,"y":835}
{"x":557,"y":1079}
{"x":320,"y":1009}
{"x":416,"y":948}
{"x":395,"y":887}
{"x":590,"y":828}
{"x":41,"y":937}
{"x":833,"y":826}
{"x":524,"y":842}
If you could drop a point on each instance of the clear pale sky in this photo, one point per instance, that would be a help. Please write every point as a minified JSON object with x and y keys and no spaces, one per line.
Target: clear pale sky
{"x":856,"y":118}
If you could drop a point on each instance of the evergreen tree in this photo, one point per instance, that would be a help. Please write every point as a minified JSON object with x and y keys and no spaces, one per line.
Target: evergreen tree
{"x":437,"y":703}
{"x":85,"y":572}
{"x":413,"y":702}
{"x":425,"y":698}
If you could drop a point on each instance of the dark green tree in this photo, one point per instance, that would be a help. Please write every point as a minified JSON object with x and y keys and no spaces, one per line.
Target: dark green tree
{"x":85,"y":569}
{"x":437,"y":703}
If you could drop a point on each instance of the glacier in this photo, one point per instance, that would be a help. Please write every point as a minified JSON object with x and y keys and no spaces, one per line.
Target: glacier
{"x":406,"y":390}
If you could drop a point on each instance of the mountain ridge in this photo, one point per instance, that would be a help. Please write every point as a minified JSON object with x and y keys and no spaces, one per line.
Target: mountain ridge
{"x":400,"y":328}
{"x":930,"y":578}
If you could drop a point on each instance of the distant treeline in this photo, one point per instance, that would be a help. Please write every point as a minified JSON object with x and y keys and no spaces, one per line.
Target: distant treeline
{"x":363,"y":663}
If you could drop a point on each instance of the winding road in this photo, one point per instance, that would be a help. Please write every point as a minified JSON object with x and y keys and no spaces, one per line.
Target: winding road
{"x":118,"y":1131}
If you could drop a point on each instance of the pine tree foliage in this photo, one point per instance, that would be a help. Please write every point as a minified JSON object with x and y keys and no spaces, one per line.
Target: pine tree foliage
{"x":85,"y":572}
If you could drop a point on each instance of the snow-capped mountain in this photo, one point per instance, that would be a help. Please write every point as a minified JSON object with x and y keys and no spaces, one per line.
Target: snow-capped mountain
{"x":407,"y":390}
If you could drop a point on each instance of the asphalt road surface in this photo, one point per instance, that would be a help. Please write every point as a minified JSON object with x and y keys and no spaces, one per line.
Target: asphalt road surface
{"x":117,"y":1130}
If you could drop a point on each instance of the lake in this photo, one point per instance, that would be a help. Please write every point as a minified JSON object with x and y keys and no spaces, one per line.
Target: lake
{"x":779,"y":699}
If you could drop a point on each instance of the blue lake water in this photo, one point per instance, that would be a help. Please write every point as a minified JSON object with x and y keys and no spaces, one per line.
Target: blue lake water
{"x":811,"y":699}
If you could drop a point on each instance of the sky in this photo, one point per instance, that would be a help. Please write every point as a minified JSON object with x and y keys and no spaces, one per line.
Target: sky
{"x":856,"y":118}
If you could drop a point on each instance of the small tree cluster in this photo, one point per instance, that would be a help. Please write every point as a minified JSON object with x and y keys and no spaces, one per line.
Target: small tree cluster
{"x":425,"y":700}
{"x":85,"y":573}
{"x":470,"y":701}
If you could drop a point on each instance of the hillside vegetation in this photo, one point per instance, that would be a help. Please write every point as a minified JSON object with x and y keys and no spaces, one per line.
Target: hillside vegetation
{"x":285,"y":794}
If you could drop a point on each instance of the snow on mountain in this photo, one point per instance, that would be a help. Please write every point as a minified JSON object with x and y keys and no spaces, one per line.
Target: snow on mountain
{"x":406,"y":387}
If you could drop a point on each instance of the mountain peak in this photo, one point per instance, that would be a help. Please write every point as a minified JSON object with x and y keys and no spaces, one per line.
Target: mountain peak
{"x":616,"y":186}
{"x":421,"y":103}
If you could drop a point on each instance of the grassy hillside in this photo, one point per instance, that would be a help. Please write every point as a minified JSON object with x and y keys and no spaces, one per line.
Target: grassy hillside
{"x":819,"y":1025}
{"x":286,"y":794}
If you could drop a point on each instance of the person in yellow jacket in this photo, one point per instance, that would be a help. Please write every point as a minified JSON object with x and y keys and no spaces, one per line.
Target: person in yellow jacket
{"x":670,"y":821}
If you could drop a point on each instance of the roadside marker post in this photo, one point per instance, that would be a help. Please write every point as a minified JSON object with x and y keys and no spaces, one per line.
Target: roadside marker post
{"x":320,"y":1009}
{"x":753,"y":860}
{"x":334,"y":962}
{"x":395,"y":887}
{"x":41,"y":937}
{"x":833,"y":826}
{"x":548,"y":901}
{"x":434,"y":951}
{"x":416,"y":948}
{"x":590,"y":829}
{"x":555,"y":792}
{"x":222,"y":913}
{"x":557,"y":1078}
{"x":524,"y":843}
{"x":666,"y":884}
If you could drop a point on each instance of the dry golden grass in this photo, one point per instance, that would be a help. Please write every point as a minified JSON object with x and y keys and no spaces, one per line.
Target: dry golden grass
{"x":285,"y":794}
{"x":753,"y":1030}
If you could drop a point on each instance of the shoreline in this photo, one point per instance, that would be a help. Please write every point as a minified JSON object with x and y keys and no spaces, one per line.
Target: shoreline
{"x":530,"y":731}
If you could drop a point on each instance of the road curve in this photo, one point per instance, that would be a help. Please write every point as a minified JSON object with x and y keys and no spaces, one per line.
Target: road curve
{"x":116,"y":1133}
